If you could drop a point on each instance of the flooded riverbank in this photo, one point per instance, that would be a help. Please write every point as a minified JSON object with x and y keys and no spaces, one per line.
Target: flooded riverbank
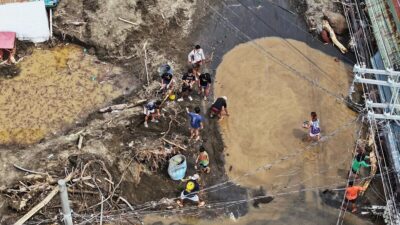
{"x":267,"y":105}
{"x":55,"y":88}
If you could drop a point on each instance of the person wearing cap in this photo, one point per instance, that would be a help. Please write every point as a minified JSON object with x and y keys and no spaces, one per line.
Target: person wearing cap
{"x":191,"y":192}
{"x":189,"y":79}
{"x":196,"y":123}
{"x":151,"y":109}
{"x":219,"y":108}
{"x":196,"y":58}
{"x":203,"y":160}
{"x":352,"y":194}
{"x":205,"y":84}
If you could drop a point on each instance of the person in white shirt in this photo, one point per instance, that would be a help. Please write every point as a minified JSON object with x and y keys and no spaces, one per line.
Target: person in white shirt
{"x":196,"y":58}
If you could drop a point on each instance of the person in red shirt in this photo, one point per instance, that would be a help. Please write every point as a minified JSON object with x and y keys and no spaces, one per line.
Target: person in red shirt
{"x":352,"y":194}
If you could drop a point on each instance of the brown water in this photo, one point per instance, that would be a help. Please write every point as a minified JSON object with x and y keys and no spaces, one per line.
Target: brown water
{"x":55,"y":88}
{"x":267,"y":105}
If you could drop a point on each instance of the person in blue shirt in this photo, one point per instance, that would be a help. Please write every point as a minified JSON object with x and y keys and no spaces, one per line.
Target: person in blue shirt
{"x":196,"y":123}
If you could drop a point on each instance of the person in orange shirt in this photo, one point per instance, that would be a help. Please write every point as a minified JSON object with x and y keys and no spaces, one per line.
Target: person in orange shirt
{"x":352,"y":194}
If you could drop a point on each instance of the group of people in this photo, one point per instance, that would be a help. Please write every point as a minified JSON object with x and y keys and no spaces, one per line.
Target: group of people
{"x":193,"y":78}
{"x":352,"y":191}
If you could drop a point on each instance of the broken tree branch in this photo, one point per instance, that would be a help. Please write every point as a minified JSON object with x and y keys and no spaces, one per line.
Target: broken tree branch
{"x":29,"y":171}
{"x":44,"y":202}
{"x":121,"y":107}
{"x":126,"y":202}
{"x":127,"y":21}
{"x":145,"y":63}
{"x":174,"y":144}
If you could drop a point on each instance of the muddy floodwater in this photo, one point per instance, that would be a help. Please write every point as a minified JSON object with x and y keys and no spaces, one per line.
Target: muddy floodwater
{"x":267,"y":105}
{"x":55,"y":88}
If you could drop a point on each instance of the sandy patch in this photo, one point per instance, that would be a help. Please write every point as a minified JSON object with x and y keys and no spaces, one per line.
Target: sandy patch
{"x":268,"y":105}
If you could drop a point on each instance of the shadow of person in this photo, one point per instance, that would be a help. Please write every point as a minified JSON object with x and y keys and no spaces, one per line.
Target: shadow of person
{"x":300,"y":133}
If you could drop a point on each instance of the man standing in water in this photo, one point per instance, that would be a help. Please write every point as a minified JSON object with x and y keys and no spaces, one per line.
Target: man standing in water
{"x":196,"y":58}
{"x":196,"y":123}
{"x":219,"y":108}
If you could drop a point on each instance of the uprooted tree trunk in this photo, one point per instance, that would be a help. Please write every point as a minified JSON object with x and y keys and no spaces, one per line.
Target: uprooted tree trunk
{"x":332,"y":35}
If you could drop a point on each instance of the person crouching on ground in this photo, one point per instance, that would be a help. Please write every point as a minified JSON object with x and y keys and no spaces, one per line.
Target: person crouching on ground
{"x":152,"y":110}
{"x":313,"y":127}
{"x":191,"y":192}
{"x":189,"y":80}
{"x":203,"y":160}
{"x":205,"y":84}
{"x":196,"y":123}
{"x":219,"y":108}
{"x":358,"y":162}
{"x":352,"y":194}
{"x":196,"y":58}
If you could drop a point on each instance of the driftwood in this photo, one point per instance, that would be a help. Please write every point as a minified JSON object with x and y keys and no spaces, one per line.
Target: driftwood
{"x":127,"y":21}
{"x":145,"y":63}
{"x":29,"y":171}
{"x":126,"y":202}
{"x":121,"y":107}
{"x":80,"y":141}
{"x":174,"y":144}
{"x":44,"y":202}
{"x":332,"y":35}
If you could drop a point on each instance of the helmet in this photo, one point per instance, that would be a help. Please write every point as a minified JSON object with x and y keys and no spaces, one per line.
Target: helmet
{"x":172,"y":97}
{"x":224,"y":97}
{"x":190,"y":186}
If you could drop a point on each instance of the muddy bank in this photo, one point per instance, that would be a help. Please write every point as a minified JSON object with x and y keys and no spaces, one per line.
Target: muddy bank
{"x":116,"y":142}
{"x":54,"y":89}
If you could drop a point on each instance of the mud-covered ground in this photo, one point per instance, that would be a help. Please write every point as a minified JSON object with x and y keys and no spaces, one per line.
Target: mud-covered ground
{"x":134,"y":158}
{"x":123,"y":158}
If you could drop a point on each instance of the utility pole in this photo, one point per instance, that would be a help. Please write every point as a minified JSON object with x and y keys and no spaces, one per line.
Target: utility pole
{"x":65,"y":202}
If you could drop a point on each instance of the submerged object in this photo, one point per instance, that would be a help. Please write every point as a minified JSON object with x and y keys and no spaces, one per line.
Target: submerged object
{"x":177,"y":167}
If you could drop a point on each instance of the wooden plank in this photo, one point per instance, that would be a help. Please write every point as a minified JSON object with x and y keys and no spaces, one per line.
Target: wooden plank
{"x":44,"y":202}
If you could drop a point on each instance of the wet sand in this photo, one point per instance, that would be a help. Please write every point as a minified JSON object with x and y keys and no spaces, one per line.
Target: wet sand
{"x":55,"y":88}
{"x":267,"y":105}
